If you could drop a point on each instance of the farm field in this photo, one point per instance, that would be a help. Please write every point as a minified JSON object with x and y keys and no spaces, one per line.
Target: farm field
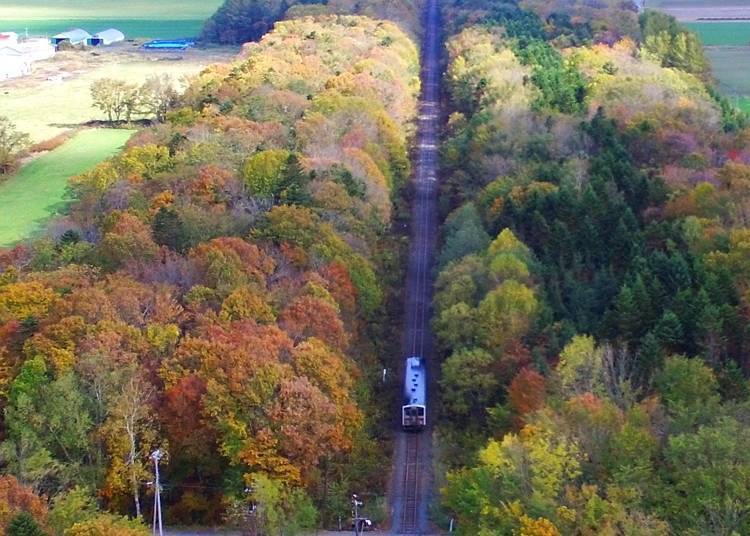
{"x":696,"y":10}
{"x":56,"y":98}
{"x":38,"y":191}
{"x":136,"y":18}
{"x":132,"y":28}
{"x":727,"y":42}
{"x":722,"y":33}
{"x":675,"y":4}
{"x":731,"y":67}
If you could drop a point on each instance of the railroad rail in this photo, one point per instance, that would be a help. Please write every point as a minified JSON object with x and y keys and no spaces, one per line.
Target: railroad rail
{"x":410,"y":515}
{"x":411,"y":484}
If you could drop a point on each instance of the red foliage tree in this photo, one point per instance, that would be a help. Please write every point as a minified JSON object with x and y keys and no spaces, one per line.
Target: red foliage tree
{"x":312,"y":317}
{"x":340,"y":285}
{"x":16,"y":498}
{"x":526,"y":393}
{"x":129,"y":239}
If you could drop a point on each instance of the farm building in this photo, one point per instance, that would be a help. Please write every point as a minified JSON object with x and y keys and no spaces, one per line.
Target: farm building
{"x":35,"y":49}
{"x":8,"y":38}
{"x":17,"y":56}
{"x":74,"y":37}
{"x":106,"y":37}
{"x":13,"y":63}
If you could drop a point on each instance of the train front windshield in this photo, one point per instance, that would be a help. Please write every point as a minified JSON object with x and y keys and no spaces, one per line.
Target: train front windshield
{"x":413,"y":416}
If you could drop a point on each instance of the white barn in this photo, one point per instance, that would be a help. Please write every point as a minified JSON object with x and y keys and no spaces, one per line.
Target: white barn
{"x":74,"y":37}
{"x":8,"y":38}
{"x":16,"y":57}
{"x":36,"y":49}
{"x":13,"y":63}
{"x":106,"y":37}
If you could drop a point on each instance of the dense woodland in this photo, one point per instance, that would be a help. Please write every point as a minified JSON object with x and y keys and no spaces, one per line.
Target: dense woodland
{"x":227,"y":288}
{"x":240,"y":21}
{"x":222,"y":290}
{"x":592,"y":303}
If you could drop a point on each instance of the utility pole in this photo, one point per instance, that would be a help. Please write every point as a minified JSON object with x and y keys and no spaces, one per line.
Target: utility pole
{"x":358,"y":522}
{"x":156,"y":456}
{"x":249,"y":515}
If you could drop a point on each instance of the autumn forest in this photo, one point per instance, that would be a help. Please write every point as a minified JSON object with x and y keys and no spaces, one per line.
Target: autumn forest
{"x":229,"y":287}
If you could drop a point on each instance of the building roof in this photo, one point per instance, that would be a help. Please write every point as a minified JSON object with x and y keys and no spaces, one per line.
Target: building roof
{"x":110,"y":35}
{"x":76,"y":35}
{"x":36,"y":48}
{"x":8,"y":50}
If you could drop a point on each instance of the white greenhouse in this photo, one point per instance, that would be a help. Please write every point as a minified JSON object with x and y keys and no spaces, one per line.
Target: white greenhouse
{"x":106,"y":37}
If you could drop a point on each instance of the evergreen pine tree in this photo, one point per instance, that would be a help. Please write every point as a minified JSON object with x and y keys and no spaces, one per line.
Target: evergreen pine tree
{"x":292,"y":188}
{"x":168,"y":230}
{"x":628,"y":315}
{"x":669,"y":331}
{"x":650,"y":358}
{"x":24,"y":525}
{"x":732,"y":383}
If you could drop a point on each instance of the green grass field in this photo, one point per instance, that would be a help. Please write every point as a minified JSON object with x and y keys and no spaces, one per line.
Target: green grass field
{"x":722,"y":33}
{"x":30,"y":197}
{"x":136,"y":18}
{"x":731,"y":67}
{"x":46,"y":109}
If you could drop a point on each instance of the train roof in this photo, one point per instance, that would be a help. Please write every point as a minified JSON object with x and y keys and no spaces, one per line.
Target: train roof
{"x":415,"y":382}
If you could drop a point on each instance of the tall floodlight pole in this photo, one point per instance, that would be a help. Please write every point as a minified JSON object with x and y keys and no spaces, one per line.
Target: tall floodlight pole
{"x":156,"y":456}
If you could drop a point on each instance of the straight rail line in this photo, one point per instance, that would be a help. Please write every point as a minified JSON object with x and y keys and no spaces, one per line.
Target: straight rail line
{"x":410,"y":520}
{"x":410,"y":508}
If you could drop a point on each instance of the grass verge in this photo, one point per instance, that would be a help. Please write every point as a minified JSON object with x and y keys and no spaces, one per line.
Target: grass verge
{"x":39,"y":190}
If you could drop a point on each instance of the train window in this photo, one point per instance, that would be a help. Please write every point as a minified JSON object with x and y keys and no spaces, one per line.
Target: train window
{"x":420,"y":412}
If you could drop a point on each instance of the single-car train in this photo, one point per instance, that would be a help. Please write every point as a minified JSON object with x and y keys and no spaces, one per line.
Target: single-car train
{"x":414,"y":409}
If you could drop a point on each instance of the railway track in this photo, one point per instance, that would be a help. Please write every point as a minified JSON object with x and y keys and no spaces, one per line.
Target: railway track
{"x":410,"y":514}
{"x":411,"y":484}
